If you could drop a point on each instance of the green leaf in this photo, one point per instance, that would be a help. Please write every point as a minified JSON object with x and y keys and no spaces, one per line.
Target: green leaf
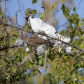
{"x":26,"y":53}
{"x":4,"y":19}
{"x":36,"y":71}
{"x":50,"y":82}
{"x":1,"y":66}
{"x":7,"y":61}
{"x":15,"y":55}
{"x":72,"y":15}
{"x":74,"y":9}
{"x":80,"y":36}
{"x":27,"y":11}
{"x":77,"y":21}
{"x":17,"y":77}
{"x":14,"y":40}
{"x":1,"y":14}
{"x":81,"y":45}
{"x":5,"y":42}
{"x":26,"y":25}
{"x":83,"y":23}
{"x":66,"y":14}
{"x":62,"y":32}
{"x":72,"y":34}
{"x":41,"y":15}
{"x":34,"y":12}
{"x":77,"y":15}
{"x":67,"y":10}
{"x":19,"y":59}
{"x":13,"y":69}
{"x":23,"y":54}
{"x":20,"y":50}
{"x":34,"y":1}
{"x":39,"y":71}
{"x":41,"y":62}
{"x":63,"y":8}
{"x":22,"y":75}
{"x":82,"y":20}
{"x":71,"y":22}
{"x":30,"y":64}
{"x":49,"y":74}
{"x":16,"y":33}
{"x":79,"y":24}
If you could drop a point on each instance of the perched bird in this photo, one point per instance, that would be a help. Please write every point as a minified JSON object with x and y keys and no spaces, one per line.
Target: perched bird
{"x":38,"y":43}
{"x":35,"y":41}
{"x":38,"y":25}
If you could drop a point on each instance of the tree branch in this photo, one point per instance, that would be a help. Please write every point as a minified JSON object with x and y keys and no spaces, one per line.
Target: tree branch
{"x":40,"y":33}
{"x":45,"y":64}
{"x":61,"y":41}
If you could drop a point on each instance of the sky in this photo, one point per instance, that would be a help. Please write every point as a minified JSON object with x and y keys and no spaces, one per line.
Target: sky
{"x":14,"y":6}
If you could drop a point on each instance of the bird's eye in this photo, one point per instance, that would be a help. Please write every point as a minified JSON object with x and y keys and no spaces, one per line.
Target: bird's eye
{"x":25,"y":38}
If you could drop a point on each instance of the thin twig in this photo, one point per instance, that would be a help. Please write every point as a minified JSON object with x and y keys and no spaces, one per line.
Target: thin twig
{"x":18,"y":27}
{"x":3,"y":49}
{"x":45,"y":64}
{"x":0,"y":5}
{"x":44,"y":9}
{"x":5,"y":7}
{"x":61,"y":25}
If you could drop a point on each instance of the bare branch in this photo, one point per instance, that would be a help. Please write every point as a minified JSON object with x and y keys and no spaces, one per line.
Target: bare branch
{"x":45,"y":64}
{"x":61,"y":41}
{"x":43,"y":6}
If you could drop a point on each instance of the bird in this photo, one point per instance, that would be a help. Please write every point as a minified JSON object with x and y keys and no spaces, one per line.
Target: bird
{"x":35,"y":41}
{"x":38,"y":43}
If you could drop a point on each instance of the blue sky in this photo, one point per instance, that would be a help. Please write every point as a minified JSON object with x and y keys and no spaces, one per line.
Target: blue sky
{"x":13,"y":6}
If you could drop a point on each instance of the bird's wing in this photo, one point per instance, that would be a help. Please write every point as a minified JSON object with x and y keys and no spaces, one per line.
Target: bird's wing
{"x":36,"y":40}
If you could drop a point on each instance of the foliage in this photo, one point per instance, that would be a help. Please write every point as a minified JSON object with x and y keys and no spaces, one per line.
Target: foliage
{"x":65,"y":64}
{"x":34,"y":1}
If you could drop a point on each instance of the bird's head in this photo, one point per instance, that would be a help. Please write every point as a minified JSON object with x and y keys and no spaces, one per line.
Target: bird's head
{"x":28,"y":14}
{"x":26,"y":39}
